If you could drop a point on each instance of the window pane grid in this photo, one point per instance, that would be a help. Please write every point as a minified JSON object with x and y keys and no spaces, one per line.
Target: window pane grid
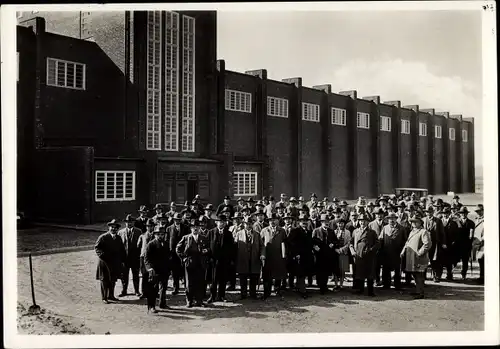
{"x":363,"y":120}
{"x":188,"y":78}
{"x":338,"y":116}
{"x":385,"y":123}
{"x":238,"y":101}
{"x":171,"y":81}
{"x":65,"y":74}
{"x":115,"y":186}
{"x":310,"y":112}
{"x":437,"y":131}
{"x":422,"y":129}
{"x":245,"y":183}
{"x":405,"y":126}
{"x":277,"y":107}
{"x":153,"y":122}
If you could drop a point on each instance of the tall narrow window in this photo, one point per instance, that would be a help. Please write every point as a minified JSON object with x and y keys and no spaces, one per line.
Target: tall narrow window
{"x":172,"y":82}
{"x":405,"y":127}
{"x":153,"y":122}
{"x":464,"y":135}
{"x":452,"y":134}
{"x":339,"y":116}
{"x":188,"y":85}
{"x":422,"y":129}
{"x":438,"y":131}
{"x":131,"y":46}
{"x":85,"y":25}
{"x":385,"y":123}
{"x":363,"y":120}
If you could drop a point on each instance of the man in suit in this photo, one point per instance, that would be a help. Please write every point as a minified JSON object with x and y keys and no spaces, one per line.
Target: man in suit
{"x":209,"y":209}
{"x":170,"y":214}
{"x":226,"y":204}
{"x":344,"y":207}
{"x":158,"y":211}
{"x":157,"y":259}
{"x":140,"y":222}
{"x":288,"y":219}
{"x":130,"y":236}
{"x":364,"y":246}
{"x":313,"y":202}
{"x":392,"y":240}
{"x":237,"y":224}
{"x":324,"y":244}
{"x":223,"y":252}
{"x":270,"y":208}
{"x":194,"y":250}
{"x":292,"y":207}
{"x":435,"y":227}
{"x":353,"y":223}
{"x":260,"y":223}
{"x":463,"y":240}
{"x":143,"y":241}
{"x":240,"y":205}
{"x":298,"y":252}
{"x":451,"y":233}
{"x":111,"y":253}
{"x":478,"y":241}
{"x":175,"y":232}
{"x":377,"y":225}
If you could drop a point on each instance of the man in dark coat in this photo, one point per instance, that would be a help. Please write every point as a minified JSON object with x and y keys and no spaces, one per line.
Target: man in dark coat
{"x":130,"y":236}
{"x":143,"y":241}
{"x":288,"y":219}
{"x":157,"y":259}
{"x":194,"y":250}
{"x":222,"y":253}
{"x":364,"y":246}
{"x":324,"y":243}
{"x":261,"y":223}
{"x":463,"y":240}
{"x":377,"y":225}
{"x":209,"y":210}
{"x":435,"y":227}
{"x":170,"y":214}
{"x":175,"y":233}
{"x":392,"y":240}
{"x":111,"y":253}
{"x":298,"y":255}
{"x":450,"y":228}
{"x":141,"y":221}
{"x":158,"y":211}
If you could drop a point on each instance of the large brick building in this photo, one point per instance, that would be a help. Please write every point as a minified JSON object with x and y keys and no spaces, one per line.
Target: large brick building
{"x":119,"y":109}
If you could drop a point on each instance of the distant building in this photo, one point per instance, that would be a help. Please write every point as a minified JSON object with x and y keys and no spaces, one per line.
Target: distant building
{"x":120,"y":109}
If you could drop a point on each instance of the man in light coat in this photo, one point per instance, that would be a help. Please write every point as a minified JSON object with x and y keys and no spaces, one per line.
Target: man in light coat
{"x":415,"y":254}
{"x":130,"y":236}
{"x":478,"y":241}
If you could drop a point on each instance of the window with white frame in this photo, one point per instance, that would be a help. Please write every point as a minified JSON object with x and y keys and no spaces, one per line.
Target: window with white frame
{"x":363,"y":120}
{"x":452,"y":134}
{"x":171,"y":81}
{"x":153,"y":122}
{"x":114,"y":185}
{"x":277,"y":107}
{"x":464,"y":135}
{"x":61,"y":73}
{"x":238,"y":101}
{"x":422,"y":129}
{"x":188,"y":87}
{"x":310,"y":112}
{"x":245,"y":183}
{"x":338,"y":116}
{"x":405,"y":127}
{"x":438,"y":131}
{"x":385,"y":123}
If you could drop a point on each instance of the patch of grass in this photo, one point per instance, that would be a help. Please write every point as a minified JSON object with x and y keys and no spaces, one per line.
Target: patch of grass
{"x":39,"y":239}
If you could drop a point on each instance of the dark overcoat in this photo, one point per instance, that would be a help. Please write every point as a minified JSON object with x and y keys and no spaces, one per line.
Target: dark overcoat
{"x":298,"y":244}
{"x":175,"y":235}
{"x":450,"y":230}
{"x":130,"y":238}
{"x":392,"y":240}
{"x":248,"y":252}
{"x":365,"y":244}
{"x":435,"y":227}
{"x":111,"y":254}
{"x":326,"y":258}
{"x":275,"y":264}
{"x":158,"y":256}
{"x":222,"y":253}
{"x":463,"y":239}
{"x":194,"y":259}
{"x":140,"y":223}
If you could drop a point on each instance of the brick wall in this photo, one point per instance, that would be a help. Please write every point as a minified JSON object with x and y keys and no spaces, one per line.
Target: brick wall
{"x":465,"y":185}
{"x":386,"y":161}
{"x":423,"y":152}
{"x":440,"y":170}
{"x":365,"y":144}
{"x":406,"y":152}
{"x":453,"y":159}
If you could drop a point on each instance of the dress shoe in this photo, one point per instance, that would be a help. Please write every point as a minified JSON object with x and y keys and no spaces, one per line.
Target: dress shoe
{"x":210,"y":300}
{"x":105,"y":301}
{"x":123,"y":294}
{"x":138,"y":294}
{"x":152,"y":310}
{"x":379,"y":283}
{"x":163,"y":306}
{"x":113,"y":299}
{"x":174,"y":292}
{"x":189,"y":304}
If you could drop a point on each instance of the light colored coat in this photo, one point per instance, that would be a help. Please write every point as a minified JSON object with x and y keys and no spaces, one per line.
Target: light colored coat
{"x":275,"y":264}
{"x":393,"y":240}
{"x":478,"y":240}
{"x":417,"y":251}
{"x":248,"y":252}
{"x":364,"y":246}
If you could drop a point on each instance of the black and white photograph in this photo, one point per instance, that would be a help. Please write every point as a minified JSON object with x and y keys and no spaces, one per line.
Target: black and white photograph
{"x":273,"y":169}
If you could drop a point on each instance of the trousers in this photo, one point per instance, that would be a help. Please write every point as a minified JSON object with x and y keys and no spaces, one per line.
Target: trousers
{"x":361,"y":285}
{"x":107,"y":290}
{"x":301,"y":282}
{"x":437,"y":269}
{"x":244,"y":284}
{"x":157,"y":286}
{"x":419,"y":282}
{"x":135,"y":278}
{"x":268,"y":283}
{"x":386,"y":276}
{"x":218,"y":286}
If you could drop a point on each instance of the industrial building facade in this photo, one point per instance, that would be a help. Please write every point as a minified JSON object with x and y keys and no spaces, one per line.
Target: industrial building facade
{"x":120,"y":109}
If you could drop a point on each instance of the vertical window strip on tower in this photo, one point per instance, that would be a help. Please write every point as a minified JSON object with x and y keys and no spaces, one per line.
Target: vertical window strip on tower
{"x":452,"y":134}
{"x":464,"y":135}
{"x":385,"y":123}
{"x":238,"y":101}
{"x":277,"y":107}
{"x":363,"y":120}
{"x":172,"y":82}
{"x":338,"y":116}
{"x":131,"y":47}
{"x":438,"y":131}
{"x":153,"y":122}
{"x":188,"y":86}
{"x":405,"y":127}
{"x":422,"y":129}
{"x":310,"y":112}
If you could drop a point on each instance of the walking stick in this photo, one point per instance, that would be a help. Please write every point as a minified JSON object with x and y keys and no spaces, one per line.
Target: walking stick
{"x":34,"y":309}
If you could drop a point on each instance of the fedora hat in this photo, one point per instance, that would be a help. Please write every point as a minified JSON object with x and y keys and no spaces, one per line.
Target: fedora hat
{"x":240,"y":200}
{"x":273,"y":216}
{"x":429,"y":208}
{"x":161,"y":216}
{"x":143,"y":208}
{"x":159,"y":230}
{"x":363,"y":217}
{"x":378,"y":210}
{"x":416,"y":218}
{"x":194,"y":223}
{"x":463,"y":210}
{"x":479,"y":207}
{"x":271,"y":198}
{"x":323,"y":218}
{"x":343,"y":203}
{"x":158,"y":207}
{"x":248,"y":220}
{"x":177,"y":216}
{"x":237,"y":215}
{"x":113,"y":223}
{"x":288,"y":215}
{"x":150,"y":223}
{"x":259,"y":211}
{"x":293,"y":199}
{"x":301,"y":198}
{"x":129,"y":219}
{"x":447,"y":210}
{"x":220,"y":217}
{"x":209,"y":207}
{"x":203,"y":220}
{"x":250,"y":200}
{"x":227,"y":197}
{"x":313,"y":195}
{"x":173,"y":204}
{"x":371,"y":204}
{"x":392,"y":215}
{"x":260,"y":203}
{"x":303,"y":217}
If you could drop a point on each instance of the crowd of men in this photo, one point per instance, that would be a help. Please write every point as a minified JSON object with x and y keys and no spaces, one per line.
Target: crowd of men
{"x":287,"y":244}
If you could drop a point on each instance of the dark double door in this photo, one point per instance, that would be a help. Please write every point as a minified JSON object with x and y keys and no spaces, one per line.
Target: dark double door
{"x":182,"y":186}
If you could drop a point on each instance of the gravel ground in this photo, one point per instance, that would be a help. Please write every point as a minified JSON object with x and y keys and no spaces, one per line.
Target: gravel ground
{"x":65,"y":285}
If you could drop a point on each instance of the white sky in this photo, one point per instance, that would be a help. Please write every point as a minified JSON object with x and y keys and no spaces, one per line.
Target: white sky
{"x":429,"y":58}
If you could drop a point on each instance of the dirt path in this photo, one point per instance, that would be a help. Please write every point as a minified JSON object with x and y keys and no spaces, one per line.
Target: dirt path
{"x":65,"y":285}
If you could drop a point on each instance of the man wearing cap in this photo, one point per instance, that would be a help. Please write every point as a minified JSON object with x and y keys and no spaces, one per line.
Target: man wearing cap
{"x":324,"y":243}
{"x":158,"y":211}
{"x":111,"y":253}
{"x":415,"y":254}
{"x":223,"y":252}
{"x":209,"y":209}
{"x":226,"y":204}
{"x":275,"y":266}
{"x":435,"y":227}
{"x":175,"y":233}
{"x":140,"y":222}
{"x":377,"y":225}
{"x":130,"y":236}
{"x":478,"y":241}
{"x":156,"y":259}
{"x":194,"y":250}
{"x":364,"y":246}
{"x":250,"y":256}
{"x":392,"y":240}
{"x":450,"y":228}
{"x":143,"y":241}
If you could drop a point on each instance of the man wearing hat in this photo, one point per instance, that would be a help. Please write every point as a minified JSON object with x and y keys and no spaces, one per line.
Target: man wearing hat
{"x":392,"y":238}
{"x":344,"y":207}
{"x":478,"y":241}
{"x":209,"y":209}
{"x":288,"y":226}
{"x":130,"y":237}
{"x":194,"y":250}
{"x":313,"y":202}
{"x":250,"y":256}
{"x":237,"y":225}
{"x":140,"y":222}
{"x":156,"y":260}
{"x":353,"y":223}
{"x":364,"y":246}
{"x":435,"y":227}
{"x":143,"y":241}
{"x":275,"y":266}
{"x":162,"y":220}
{"x":223,"y":252}
{"x":324,"y":243}
{"x":456,"y":200}
{"x":415,"y":254}
{"x":463,"y":239}
{"x":283,"y":200}
{"x":175,"y":233}
{"x":271,"y":207}
{"x":377,"y":225}
{"x":265,"y":201}
{"x":226,"y":204}
{"x":297,"y":251}
{"x":111,"y":253}
{"x":260,"y":223}
{"x":187,"y":217}
{"x":170,"y":214}
{"x":451,"y":233}
{"x":292,"y":207}
{"x":158,"y":211}
{"x":240,"y":205}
